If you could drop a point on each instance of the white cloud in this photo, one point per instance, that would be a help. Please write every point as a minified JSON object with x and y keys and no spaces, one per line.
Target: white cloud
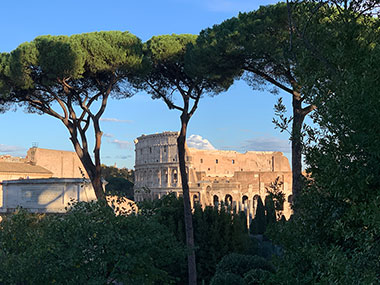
{"x":10,"y":148}
{"x":114,"y":120}
{"x":123,"y":156}
{"x":106,"y":135}
{"x":122,"y":144}
{"x":196,"y":141}
{"x":266,"y":144}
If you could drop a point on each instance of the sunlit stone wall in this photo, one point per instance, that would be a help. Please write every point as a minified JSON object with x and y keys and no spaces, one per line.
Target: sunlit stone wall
{"x":214,"y":175}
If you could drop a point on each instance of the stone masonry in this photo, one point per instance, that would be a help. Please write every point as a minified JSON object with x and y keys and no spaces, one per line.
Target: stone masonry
{"x":214,"y":175}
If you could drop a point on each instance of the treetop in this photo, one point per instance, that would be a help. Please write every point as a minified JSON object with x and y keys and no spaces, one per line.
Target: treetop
{"x":48,"y":58}
{"x":169,"y":47}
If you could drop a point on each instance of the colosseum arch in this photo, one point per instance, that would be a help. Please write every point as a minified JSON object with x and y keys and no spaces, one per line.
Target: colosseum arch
{"x":228,"y":200}
{"x":150,"y":177}
{"x":164,"y":177}
{"x":196,"y":199}
{"x":230,"y":176}
{"x":174,"y":176}
{"x":244,"y":202}
{"x":255,"y":198}
{"x":215,"y":200}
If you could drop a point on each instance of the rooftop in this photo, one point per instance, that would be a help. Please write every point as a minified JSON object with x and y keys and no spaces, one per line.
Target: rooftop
{"x":19,"y":167}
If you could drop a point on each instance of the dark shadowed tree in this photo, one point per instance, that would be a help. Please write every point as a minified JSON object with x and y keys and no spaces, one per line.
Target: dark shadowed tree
{"x":259,"y":45}
{"x":259,"y":223}
{"x":335,"y":234}
{"x":71,"y":79}
{"x":4,"y":88}
{"x":174,"y":81}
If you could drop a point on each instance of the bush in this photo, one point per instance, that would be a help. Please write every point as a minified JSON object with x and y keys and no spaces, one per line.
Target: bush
{"x":241,"y":264}
{"x":88,"y":245}
{"x":217,"y":232}
{"x":227,"y":279}
{"x":242,"y":269}
{"x":259,"y":223}
{"x":256,"y":276}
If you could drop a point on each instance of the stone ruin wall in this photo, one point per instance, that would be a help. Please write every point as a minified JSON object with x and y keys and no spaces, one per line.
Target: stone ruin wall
{"x":63,"y":164}
{"x":214,"y":175}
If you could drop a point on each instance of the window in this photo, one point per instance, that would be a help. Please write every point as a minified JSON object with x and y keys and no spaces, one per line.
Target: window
{"x":150,"y":150}
{"x":233,"y":161}
{"x":216,"y":161}
{"x":208,"y":169}
{"x":201,"y":160}
{"x":165,"y":147}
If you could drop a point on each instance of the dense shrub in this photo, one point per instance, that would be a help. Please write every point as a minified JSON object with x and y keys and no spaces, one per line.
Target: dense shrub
{"x":227,"y":279}
{"x":217,"y":232}
{"x":259,"y":223}
{"x":88,"y":245}
{"x":242,"y":269}
{"x":257,"y":276}
{"x":241,"y":264}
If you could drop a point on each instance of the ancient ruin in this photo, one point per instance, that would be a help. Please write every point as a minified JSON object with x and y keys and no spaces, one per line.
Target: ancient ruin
{"x":235,"y":178}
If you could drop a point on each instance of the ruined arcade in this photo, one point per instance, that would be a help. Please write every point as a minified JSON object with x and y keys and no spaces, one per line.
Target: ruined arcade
{"x":214,"y":175}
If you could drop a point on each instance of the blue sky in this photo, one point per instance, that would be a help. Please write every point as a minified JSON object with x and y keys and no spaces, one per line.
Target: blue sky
{"x":240,"y":119}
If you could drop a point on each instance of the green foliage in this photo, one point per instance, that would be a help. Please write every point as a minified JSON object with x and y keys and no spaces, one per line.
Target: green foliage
{"x":217,"y":232}
{"x":240,"y":264}
{"x":242,"y":269}
{"x":270,"y":210}
{"x":333,"y":237}
{"x":227,"y":279}
{"x":120,"y":181}
{"x":113,"y":171}
{"x":241,"y":44}
{"x":119,"y":186}
{"x":169,"y":49}
{"x":259,"y":223}
{"x":88,"y":245}
{"x":256,"y":276}
{"x":78,"y":59}
{"x":171,"y":58}
{"x":276,"y":196}
{"x":63,"y":76}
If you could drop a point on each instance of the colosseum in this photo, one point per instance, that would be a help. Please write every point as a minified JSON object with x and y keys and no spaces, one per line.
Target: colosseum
{"x":235,"y":178}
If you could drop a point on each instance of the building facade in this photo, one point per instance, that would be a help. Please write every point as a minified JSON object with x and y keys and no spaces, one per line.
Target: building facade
{"x":52,"y":195}
{"x":53,"y":168}
{"x":214,"y":175}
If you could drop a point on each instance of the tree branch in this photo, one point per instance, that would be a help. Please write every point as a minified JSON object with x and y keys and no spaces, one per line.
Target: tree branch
{"x":307,"y":110}
{"x":169,"y":103}
{"x":269,"y":79}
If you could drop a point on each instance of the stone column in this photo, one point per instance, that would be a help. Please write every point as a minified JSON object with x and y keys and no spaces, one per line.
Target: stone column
{"x":169,"y":178}
{"x":248,"y":213}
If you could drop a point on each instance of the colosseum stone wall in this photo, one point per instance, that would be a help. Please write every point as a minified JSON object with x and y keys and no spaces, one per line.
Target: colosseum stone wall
{"x":214,"y":175}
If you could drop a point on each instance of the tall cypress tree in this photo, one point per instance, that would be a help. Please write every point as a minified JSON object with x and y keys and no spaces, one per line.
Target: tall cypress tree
{"x":270,"y":210}
{"x":258,"y":225}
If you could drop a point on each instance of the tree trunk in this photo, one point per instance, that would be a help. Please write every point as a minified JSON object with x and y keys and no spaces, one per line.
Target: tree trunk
{"x":93,"y":173}
{"x":192,"y":270}
{"x":297,"y":146}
